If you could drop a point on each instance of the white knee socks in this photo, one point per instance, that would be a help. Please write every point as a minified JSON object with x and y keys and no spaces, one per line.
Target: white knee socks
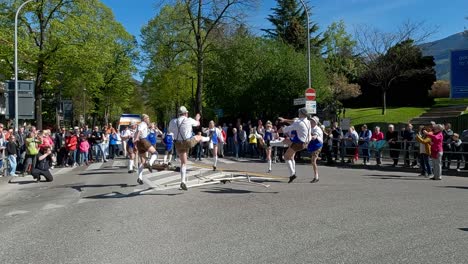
{"x":140,"y":171}
{"x":291,"y":167}
{"x":215,"y":161}
{"x":153,"y":158}
{"x":183,"y":173}
{"x":130,"y":164}
{"x":269,"y":164}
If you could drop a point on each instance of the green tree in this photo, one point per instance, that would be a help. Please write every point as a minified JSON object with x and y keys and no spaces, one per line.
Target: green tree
{"x":258,"y":77}
{"x":289,"y":20}
{"x":403,"y":61}
{"x":75,"y":45}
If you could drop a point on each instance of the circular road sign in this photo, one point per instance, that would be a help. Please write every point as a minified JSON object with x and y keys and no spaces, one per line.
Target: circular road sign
{"x":310,"y":94}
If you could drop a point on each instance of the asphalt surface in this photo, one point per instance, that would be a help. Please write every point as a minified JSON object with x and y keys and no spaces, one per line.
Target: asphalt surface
{"x":100,"y":215}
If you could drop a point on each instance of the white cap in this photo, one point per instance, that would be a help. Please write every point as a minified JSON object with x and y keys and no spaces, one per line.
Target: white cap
{"x":182,"y":110}
{"x":315,"y":119}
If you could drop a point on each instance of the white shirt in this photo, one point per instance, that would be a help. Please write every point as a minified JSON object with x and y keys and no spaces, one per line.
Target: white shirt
{"x":182,"y":127}
{"x":302,"y":127}
{"x":143,"y":129}
{"x":317,"y":131}
{"x":125,"y":134}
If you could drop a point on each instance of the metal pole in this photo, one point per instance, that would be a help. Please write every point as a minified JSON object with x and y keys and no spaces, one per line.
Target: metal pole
{"x":84,"y":106}
{"x":16,"y":63}
{"x":193,"y":100}
{"x":308,"y":43}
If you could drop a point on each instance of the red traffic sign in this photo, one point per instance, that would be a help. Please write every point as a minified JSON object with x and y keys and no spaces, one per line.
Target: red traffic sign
{"x":310,"y":94}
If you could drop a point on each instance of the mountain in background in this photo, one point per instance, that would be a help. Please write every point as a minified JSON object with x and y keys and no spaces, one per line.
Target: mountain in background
{"x":440,"y":49}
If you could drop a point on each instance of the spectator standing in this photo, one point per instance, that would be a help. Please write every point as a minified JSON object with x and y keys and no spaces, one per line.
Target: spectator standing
{"x":84,"y":150}
{"x":436,"y":150}
{"x":409,"y":136}
{"x":253,"y":142}
{"x":12,"y":154}
{"x":236,"y":143}
{"x":337,"y":135}
{"x":60,"y":146}
{"x":223,"y":143}
{"x":113,"y":147}
{"x":32,"y":149}
{"x":125,"y":136}
{"x":242,"y":135}
{"x":96,"y":138}
{"x":230,"y":137}
{"x":464,"y":139}
{"x":447,"y":133}
{"x":392,"y":138}
{"x":456,"y":149}
{"x":424,"y":152}
{"x":364,"y":139}
{"x":351,"y":142}
{"x":72,"y":144}
{"x":376,"y":139}
{"x":21,"y":142}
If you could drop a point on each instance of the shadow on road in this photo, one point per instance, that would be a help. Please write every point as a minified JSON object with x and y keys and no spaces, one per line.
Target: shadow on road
{"x":119,"y":195}
{"x":96,"y":173}
{"x":81,"y":187}
{"x":456,"y":187}
{"x":396,"y":177}
{"x":221,"y":190}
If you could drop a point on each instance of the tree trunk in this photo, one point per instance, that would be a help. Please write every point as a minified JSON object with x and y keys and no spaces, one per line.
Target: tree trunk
{"x":384,"y":101}
{"x":38,"y":95}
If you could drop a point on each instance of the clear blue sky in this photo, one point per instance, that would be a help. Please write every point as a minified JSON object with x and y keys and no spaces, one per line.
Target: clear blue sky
{"x":447,"y":15}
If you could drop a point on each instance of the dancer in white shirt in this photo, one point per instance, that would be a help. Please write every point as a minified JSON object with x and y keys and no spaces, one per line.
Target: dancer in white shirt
{"x":317,"y":138}
{"x":182,"y":129}
{"x":143,"y":145}
{"x":216,"y":138}
{"x":299,"y":136}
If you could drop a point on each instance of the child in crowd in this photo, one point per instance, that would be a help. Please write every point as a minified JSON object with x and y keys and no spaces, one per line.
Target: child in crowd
{"x":84,"y":149}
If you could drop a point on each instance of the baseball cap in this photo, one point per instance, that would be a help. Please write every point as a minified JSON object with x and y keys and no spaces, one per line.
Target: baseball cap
{"x":182,"y":110}
{"x":303,"y":111}
{"x":315,"y":119}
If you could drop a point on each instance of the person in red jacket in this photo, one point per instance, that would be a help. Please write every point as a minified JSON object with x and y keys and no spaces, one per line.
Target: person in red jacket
{"x":71,"y":144}
{"x":222,"y":144}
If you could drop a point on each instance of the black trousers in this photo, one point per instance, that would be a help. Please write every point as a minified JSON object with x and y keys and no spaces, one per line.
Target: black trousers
{"x":37,"y":173}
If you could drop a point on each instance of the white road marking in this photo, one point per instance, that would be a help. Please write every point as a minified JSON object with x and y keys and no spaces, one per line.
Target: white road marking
{"x":52,"y":206}
{"x":94,"y":166}
{"x":18,"y":212}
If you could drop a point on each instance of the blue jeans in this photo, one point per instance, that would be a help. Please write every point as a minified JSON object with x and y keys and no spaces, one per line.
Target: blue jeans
{"x":425,"y":164}
{"x":230,"y":145}
{"x":13,"y":163}
{"x":83,"y":157}
{"x":99,"y":152}
{"x":236,"y":150}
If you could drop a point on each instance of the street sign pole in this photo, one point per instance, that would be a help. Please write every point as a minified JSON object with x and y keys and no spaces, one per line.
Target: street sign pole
{"x":16,"y":63}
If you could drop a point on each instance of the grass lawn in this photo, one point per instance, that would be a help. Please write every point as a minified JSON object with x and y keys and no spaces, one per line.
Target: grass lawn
{"x":374,"y":115}
{"x":441,"y":102}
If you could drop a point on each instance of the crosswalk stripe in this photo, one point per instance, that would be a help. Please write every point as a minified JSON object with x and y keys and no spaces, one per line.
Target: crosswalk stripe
{"x":94,"y":166}
{"x":62,"y":171}
{"x":227,"y":161}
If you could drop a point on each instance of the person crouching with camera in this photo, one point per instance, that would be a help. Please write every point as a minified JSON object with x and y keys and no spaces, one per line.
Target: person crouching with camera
{"x":43,"y":165}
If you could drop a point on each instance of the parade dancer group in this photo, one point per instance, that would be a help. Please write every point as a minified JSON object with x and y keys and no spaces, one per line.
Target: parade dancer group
{"x":301,"y":132}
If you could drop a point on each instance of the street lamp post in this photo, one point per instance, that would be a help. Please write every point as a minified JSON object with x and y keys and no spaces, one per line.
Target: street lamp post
{"x":308,"y":43}
{"x":193,"y":100}
{"x":84,"y":106}
{"x":16,"y":63}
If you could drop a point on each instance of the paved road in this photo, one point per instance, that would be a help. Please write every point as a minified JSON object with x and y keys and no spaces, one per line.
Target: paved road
{"x":100,"y":215}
